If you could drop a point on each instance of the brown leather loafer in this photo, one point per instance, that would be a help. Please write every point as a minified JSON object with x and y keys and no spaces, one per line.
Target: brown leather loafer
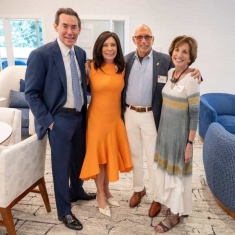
{"x":154,"y":209}
{"x":136,"y":198}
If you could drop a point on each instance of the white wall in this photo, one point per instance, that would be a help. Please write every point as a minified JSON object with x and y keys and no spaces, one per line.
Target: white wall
{"x":211,"y":22}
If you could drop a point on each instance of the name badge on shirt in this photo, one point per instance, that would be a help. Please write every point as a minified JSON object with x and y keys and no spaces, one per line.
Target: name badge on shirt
{"x":161,"y":79}
{"x":178,"y":88}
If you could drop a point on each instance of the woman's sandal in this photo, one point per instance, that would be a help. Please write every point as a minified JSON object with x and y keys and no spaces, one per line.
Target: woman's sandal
{"x":168,"y":224}
{"x":166,"y":211}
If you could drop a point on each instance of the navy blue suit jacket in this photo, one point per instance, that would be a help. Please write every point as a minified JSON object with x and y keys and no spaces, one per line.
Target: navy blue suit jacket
{"x":161,"y":64}
{"x":46,"y":83}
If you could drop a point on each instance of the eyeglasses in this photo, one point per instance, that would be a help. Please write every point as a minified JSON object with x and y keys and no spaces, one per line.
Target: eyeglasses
{"x":146,"y":37}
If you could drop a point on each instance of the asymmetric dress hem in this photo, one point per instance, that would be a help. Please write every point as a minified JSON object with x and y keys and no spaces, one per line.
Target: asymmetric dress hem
{"x":106,"y":141}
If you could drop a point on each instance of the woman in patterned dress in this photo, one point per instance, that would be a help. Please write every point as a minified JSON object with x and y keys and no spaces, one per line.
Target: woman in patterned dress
{"x":177,"y":130}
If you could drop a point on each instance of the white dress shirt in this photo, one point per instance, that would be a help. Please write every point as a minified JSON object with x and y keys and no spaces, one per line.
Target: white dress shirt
{"x":70,"y":103}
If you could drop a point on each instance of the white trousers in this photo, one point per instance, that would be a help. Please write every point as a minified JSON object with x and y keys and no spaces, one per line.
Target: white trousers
{"x":142,"y":136}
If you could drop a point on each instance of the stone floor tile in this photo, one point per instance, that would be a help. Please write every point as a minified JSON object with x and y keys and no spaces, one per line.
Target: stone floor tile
{"x":31,"y":218}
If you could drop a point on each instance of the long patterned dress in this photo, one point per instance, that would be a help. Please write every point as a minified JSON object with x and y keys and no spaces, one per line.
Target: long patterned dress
{"x":106,"y":134}
{"x":172,"y":177}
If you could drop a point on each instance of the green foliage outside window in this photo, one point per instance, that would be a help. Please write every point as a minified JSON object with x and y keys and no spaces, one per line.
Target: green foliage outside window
{"x":24,"y":33}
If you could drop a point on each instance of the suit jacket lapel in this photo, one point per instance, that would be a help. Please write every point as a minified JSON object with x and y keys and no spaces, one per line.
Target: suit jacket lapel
{"x":156,"y":69}
{"x":58,"y":59}
{"x":81,"y":64}
{"x":129,"y":64}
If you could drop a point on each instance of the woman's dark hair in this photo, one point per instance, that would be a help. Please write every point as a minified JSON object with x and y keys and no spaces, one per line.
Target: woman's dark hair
{"x":66,"y":11}
{"x":178,"y":41}
{"x":97,"y":51}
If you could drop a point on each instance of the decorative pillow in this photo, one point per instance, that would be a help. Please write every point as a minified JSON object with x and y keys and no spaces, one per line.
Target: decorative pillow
{"x":17,"y":100}
{"x":24,"y":117}
{"x":22,"y":85}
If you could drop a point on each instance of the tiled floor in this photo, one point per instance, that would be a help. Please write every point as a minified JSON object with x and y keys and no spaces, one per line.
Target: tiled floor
{"x":31,"y":217}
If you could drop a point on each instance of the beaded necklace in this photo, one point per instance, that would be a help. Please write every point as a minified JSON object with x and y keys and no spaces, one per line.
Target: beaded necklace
{"x":175,"y":80}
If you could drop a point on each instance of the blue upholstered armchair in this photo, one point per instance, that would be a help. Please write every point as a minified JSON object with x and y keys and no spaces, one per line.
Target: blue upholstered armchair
{"x":219,"y":164}
{"x":217,"y":107}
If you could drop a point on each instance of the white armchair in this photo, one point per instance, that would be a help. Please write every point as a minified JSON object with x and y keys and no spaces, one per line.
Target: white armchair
{"x":10,"y":80}
{"x":21,"y":170}
{"x":13,"y":118}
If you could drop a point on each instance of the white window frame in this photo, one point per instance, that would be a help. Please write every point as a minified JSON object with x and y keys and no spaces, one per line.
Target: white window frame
{"x":112,"y":18}
{"x":7,"y":32}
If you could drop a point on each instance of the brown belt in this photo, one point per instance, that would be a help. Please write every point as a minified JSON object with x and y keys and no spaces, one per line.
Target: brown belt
{"x":139,"y":109}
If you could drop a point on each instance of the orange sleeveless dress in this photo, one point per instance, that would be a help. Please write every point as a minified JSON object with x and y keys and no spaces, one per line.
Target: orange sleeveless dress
{"x":106,"y":139}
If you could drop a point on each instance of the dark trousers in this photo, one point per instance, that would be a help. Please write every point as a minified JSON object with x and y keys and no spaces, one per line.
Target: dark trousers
{"x":67,"y":140}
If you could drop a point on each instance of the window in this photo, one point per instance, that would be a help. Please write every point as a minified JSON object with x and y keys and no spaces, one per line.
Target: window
{"x":24,"y":35}
{"x":2,"y":44}
{"x":93,"y":26}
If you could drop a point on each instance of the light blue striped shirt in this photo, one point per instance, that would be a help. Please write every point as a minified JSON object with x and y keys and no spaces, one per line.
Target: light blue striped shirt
{"x":140,"y":83}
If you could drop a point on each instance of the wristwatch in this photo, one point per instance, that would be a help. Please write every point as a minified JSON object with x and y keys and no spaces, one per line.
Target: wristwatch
{"x":189,"y":142}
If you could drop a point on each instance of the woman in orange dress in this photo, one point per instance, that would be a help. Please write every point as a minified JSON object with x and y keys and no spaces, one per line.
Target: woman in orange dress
{"x":107,"y":149}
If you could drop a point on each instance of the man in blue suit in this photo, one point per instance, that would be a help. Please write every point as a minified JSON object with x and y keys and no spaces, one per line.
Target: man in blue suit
{"x":51,"y":95}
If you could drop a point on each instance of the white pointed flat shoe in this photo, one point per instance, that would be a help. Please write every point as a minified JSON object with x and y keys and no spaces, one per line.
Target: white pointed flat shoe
{"x":106,"y":211}
{"x":112,"y":201}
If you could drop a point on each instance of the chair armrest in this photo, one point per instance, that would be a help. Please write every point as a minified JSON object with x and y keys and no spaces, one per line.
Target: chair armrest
{"x":209,"y":110}
{"x":21,"y":165}
{"x":207,"y":115}
{"x":219,"y":164}
{"x":31,"y":123}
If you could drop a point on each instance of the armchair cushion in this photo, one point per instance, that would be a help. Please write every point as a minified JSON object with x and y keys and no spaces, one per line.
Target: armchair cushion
{"x":10,"y":80}
{"x":17,"y":100}
{"x":24,"y":117}
{"x":25,"y":121}
{"x":228,"y":122}
{"x":22,"y":85}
